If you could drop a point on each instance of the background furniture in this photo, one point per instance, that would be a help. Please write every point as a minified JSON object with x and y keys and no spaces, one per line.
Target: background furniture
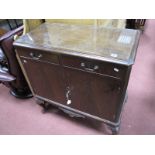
{"x":83,"y":73}
{"x":10,"y":24}
{"x":136,"y":24}
{"x":9,"y":21}
{"x":10,"y":71}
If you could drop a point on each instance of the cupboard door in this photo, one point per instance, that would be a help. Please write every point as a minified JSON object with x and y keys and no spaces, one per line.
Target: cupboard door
{"x":46,"y":79}
{"x":94,"y":94}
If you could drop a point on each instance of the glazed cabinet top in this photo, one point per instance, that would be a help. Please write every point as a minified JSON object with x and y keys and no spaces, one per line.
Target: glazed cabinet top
{"x":89,"y":41}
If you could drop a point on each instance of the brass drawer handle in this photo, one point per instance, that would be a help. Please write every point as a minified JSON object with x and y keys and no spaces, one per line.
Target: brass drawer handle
{"x":89,"y":69}
{"x":35,"y":56}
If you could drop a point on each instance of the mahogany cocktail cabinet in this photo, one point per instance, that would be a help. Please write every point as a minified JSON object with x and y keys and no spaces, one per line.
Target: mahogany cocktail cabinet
{"x":81,"y":69}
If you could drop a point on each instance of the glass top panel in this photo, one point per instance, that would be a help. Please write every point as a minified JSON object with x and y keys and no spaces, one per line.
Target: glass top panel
{"x":110,"y":43}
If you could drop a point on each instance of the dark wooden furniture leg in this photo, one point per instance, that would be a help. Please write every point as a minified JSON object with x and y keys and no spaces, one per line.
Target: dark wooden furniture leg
{"x":114,"y":129}
{"x":44,"y":104}
{"x":19,"y":87}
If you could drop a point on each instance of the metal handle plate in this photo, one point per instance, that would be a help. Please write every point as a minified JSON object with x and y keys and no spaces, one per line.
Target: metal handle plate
{"x":89,"y":69}
{"x":35,"y":56}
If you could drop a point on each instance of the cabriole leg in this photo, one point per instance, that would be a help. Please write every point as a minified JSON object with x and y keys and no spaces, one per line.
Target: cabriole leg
{"x":115,"y":130}
{"x":44,"y":104}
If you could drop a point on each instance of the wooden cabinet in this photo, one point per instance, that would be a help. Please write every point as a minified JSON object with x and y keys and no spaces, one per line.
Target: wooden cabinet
{"x":84,"y":81}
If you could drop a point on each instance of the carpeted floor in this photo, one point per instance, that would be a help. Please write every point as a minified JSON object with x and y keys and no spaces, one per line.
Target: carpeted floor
{"x":138,"y":117}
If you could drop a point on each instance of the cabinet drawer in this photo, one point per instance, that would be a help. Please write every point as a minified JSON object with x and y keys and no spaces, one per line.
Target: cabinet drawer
{"x":105,"y":68}
{"x":39,"y":55}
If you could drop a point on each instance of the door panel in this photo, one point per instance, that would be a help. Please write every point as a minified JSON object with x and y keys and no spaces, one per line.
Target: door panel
{"x":45,"y":79}
{"x":94,"y":94}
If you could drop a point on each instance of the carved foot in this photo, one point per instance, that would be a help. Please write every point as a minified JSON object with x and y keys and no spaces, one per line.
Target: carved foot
{"x":44,"y":104}
{"x":115,"y":130}
{"x":46,"y":107}
{"x":39,"y":101}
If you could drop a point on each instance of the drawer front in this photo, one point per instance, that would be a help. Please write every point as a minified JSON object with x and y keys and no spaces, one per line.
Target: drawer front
{"x":39,"y":55}
{"x":95,"y":66}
